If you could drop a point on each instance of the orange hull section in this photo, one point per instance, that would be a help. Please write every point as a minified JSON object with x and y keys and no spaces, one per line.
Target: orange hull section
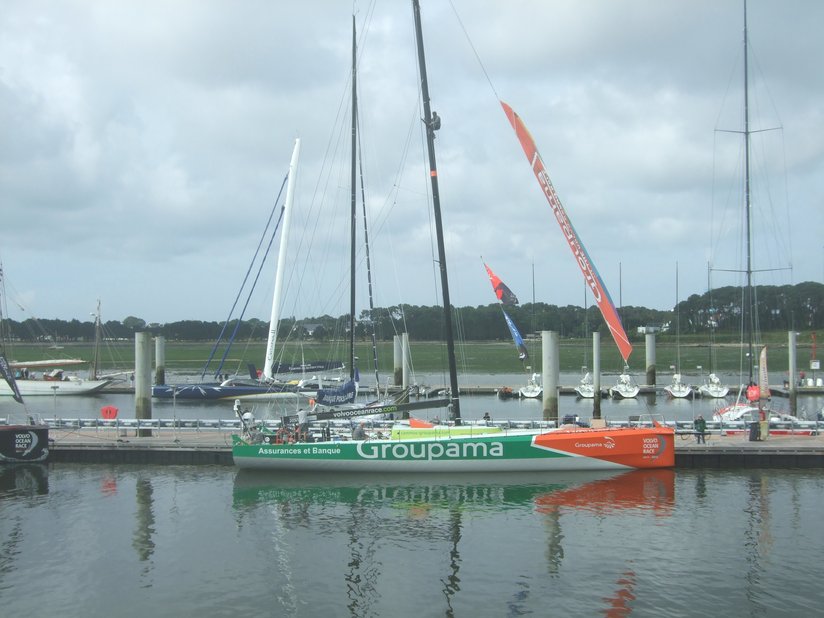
{"x":634,"y":447}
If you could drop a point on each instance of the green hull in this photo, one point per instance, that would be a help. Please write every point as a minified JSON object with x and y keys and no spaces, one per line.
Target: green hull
{"x":495,"y":453}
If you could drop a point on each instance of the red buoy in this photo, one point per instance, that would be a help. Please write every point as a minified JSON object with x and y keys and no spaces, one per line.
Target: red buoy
{"x":108,"y":412}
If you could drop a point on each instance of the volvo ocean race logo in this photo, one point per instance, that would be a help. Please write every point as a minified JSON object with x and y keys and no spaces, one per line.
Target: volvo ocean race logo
{"x":431,"y":450}
{"x":25,"y":442}
{"x":653,"y":447}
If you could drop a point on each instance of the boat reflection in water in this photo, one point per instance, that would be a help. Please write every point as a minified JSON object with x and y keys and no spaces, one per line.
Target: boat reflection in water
{"x":640,"y":490}
{"x":598,"y":491}
{"x":379,"y":518}
{"x":24,"y":480}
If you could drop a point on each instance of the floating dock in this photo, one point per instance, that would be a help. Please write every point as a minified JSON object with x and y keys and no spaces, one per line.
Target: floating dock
{"x":212,"y":446}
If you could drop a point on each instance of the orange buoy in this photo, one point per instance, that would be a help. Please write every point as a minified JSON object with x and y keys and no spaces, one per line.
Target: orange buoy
{"x":108,"y":412}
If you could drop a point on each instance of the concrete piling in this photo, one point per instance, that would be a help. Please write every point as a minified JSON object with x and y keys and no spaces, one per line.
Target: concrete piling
{"x":142,"y":380}
{"x":550,"y":348}
{"x":649,"y":340}
{"x":160,"y":359}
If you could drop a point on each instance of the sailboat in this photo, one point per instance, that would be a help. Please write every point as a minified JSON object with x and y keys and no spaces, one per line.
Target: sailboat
{"x":757,"y":393}
{"x":329,"y":401}
{"x":506,"y":297}
{"x":435,"y":449}
{"x":53,"y":379}
{"x":264,"y":386}
{"x":677,"y":388}
{"x":586,"y":385}
{"x":25,"y":441}
{"x":712,"y":386}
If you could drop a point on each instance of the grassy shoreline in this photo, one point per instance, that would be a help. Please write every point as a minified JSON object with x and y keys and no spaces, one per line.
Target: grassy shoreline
{"x":473,"y":357}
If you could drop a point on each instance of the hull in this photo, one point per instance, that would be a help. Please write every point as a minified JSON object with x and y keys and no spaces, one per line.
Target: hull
{"x":629,"y":392}
{"x":206,"y":392}
{"x":585,"y":390}
{"x":531,"y":392}
{"x":679,"y":391}
{"x":23,"y":443}
{"x":714,"y":391}
{"x":625,"y":388}
{"x":713,"y":388}
{"x":575,"y":449}
{"x":34,"y":388}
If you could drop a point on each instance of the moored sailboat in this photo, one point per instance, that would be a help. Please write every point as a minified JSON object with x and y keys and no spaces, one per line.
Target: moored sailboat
{"x":625,"y":387}
{"x":263,"y":386}
{"x":24,"y":441}
{"x":651,"y":446}
{"x":532,"y":389}
{"x":713,"y":388}
{"x":677,"y":388}
{"x":586,"y":387}
{"x":53,"y":378}
{"x":756,"y":406}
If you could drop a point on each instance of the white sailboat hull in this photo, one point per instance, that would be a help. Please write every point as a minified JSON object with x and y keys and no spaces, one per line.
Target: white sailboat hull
{"x":73,"y":386}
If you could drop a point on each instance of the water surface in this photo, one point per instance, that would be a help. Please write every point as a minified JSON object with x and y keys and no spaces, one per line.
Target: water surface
{"x":100,"y":540}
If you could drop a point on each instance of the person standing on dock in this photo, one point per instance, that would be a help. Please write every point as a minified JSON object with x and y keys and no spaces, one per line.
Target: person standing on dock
{"x":700,"y":426}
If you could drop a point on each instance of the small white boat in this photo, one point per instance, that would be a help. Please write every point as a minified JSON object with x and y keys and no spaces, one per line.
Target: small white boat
{"x":533,"y":387}
{"x":625,"y":387}
{"x":713,"y":388}
{"x":677,"y":388}
{"x":586,"y":388}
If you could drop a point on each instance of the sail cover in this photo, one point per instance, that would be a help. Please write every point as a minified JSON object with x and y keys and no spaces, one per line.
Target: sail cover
{"x":591,"y":276}
{"x":763,"y":375}
{"x":503,"y":292}
{"x":306,"y":367}
{"x":346,"y":393}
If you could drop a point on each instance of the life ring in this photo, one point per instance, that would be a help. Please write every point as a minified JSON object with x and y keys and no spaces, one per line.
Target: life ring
{"x":109,"y":412}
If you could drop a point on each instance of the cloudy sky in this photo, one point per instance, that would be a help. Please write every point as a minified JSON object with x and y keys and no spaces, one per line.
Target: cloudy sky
{"x":143,"y":146}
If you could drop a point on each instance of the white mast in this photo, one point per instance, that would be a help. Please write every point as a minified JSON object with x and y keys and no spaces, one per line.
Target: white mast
{"x":284,"y":237}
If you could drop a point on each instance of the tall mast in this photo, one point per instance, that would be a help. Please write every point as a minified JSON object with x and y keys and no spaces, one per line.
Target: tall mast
{"x":432,"y":125}
{"x":274,"y":318}
{"x":95,"y":366}
{"x":749,"y":310}
{"x":353,"y":213}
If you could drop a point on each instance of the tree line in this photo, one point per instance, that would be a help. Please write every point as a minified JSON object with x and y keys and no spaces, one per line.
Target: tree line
{"x":796,"y":307}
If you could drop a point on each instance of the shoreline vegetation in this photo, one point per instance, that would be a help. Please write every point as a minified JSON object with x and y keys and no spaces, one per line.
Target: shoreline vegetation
{"x":698,"y":356}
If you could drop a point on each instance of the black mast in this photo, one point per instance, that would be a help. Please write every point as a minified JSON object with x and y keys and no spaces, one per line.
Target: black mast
{"x":433,"y":123}
{"x":353,"y":213}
